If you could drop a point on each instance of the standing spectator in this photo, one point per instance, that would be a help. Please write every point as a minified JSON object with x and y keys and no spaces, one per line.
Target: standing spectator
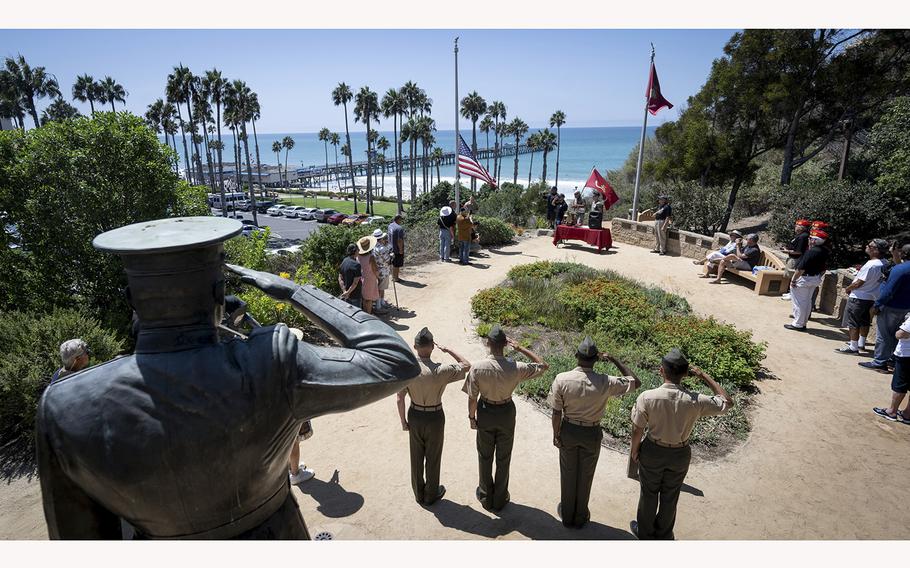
{"x":383,"y":254}
{"x":807,"y":278}
{"x":863,"y":292}
{"x":446,"y":225}
{"x":663,"y":218}
{"x":561,"y":208}
{"x":349,"y":277}
{"x":74,"y":354}
{"x":668,"y":414}
{"x":369,"y":273}
{"x":551,"y":208}
{"x":492,"y":380}
{"x":900,"y":381}
{"x":745,"y":257}
{"x":471,"y":205}
{"x":577,"y":215}
{"x":464,"y":225}
{"x":587,"y":196}
{"x":891,"y":308}
{"x":795,"y":250}
{"x":396,"y":235}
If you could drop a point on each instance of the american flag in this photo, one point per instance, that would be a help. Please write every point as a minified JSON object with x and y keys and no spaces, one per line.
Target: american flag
{"x":469,"y":166}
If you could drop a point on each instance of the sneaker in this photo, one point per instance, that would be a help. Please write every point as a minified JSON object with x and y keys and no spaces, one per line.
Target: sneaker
{"x":883,"y":412}
{"x":303,"y":474}
{"x":847,"y":350}
{"x":902,"y":418}
{"x":785,"y":296}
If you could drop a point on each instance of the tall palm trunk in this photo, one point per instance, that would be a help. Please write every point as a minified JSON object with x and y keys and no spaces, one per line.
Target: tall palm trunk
{"x":530,"y":167}
{"x":186,"y":155}
{"x":496,"y":151}
{"x":488,"y":150}
{"x":515,"y":176}
{"x":337,"y":182}
{"x":413,"y":150}
{"x":91,"y":105}
{"x":543,"y":177}
{"x":398,"y":165}
{"x":369,"y":169}
{"x":258,"y":163}
{"x":208,"y":155}
{"x":189,"y":113}
{"x":220,"y":147}
{"x":239,"y":172}
{"x":438,"y":176}
{"x":287,"y":178}
{"x":347,"y":136}
{"x":326,"y":144}
{"x":558,"y":145}
{"x":249,"y":172}
{"x":474,"y":149}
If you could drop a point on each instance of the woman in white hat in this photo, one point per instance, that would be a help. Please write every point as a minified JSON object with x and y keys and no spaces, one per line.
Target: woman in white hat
{"x":382,"y":252}
{"x":369,"y":273}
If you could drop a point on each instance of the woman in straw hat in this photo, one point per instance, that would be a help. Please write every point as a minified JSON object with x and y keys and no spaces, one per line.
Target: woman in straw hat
{"x":369,"y":272}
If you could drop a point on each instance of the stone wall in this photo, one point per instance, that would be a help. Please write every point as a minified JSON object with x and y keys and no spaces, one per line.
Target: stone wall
{"x":679,"y":243}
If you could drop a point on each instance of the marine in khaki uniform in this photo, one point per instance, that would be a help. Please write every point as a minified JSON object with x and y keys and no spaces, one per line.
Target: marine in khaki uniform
{"x":492,"y":381}
{"x":578,"y":398}
{"x":667,"y":414}
{"x":426,"y":420}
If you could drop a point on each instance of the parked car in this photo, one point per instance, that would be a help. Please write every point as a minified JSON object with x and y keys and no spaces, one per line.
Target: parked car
{"x":248,"y":230}
{"x":292,"y":211}
{"x":355,"y":219}
{"x":307,"y":214}
{"x":276,"y":210}
{"x":322,"y":215}
{"x":263,"y":206}
{"x":244,"y":205}
{"x":375,"y":219}
{"x":337,"y":218}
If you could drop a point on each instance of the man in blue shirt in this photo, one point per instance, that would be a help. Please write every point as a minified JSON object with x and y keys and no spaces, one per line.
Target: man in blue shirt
{"x":892,"y":307}
{"x":396,"y":237}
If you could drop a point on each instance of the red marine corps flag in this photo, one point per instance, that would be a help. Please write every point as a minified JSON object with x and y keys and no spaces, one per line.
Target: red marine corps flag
{"x":656,"y":101}
{"x":597,"y":182}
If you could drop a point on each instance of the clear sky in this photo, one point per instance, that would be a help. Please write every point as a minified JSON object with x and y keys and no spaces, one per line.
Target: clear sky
{"x":597,"y":77}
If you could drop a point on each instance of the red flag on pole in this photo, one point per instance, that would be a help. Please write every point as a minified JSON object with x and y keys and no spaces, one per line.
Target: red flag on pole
{"x":656,"y":101}
{"x":597,"y":182}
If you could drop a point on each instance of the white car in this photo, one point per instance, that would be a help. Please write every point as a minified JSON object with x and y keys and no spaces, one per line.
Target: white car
{"x":322,"y":215}
{"x":293,"y":211}
{"x":307,"y":214}
{"x":374,"y":220}
{"x":276,"y":210}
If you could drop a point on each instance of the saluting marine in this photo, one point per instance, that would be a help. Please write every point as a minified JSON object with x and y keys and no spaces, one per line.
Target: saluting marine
{"x":492,"y":380}
{"x":668,"y":414}
{"x":578,"y":398}
{"x":138,"y":438}
{"x":426,"y":420}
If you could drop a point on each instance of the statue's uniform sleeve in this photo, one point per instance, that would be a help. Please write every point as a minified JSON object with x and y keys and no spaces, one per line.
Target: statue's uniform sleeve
{"x":372,"y":362}
{"x":69,"y":511}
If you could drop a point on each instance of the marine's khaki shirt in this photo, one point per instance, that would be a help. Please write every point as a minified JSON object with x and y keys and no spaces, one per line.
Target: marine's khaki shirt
{"x":581,"y":394}
{"x":427,"y":388}
{"x":669,"y":412}
{"x":494,"y":378}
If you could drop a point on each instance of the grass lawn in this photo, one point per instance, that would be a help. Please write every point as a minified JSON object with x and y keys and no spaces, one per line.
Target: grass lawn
{"x":384,"y":208}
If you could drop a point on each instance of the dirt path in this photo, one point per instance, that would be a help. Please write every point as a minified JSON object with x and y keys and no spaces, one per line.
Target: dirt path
{"x":817,"y":465}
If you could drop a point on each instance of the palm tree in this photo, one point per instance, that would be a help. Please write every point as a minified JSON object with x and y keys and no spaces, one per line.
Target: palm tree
{"x":486,"y":125}
{"x":185,"y":84}
{"x":517,"y":128}
{"x":324,"y":135}
{"x":557,"y":120}
{"x":58,"y":110}
{"x":214,"y":85}
{"x":113,"y":91}
{"x":497,"y":112}
{"x":383,"y":145}
{"x":31,"y":83}
{"x":473,"y":107}
{"x":203,"y":112}
{"x":366,"y":109}
{"x":169,"y":126}
{"x":426,"y":128}
{"x":254,"y":116}
{"x":174,"y":93}
{"x":342,"y":95}
{"x":287,"y":143}
{"x":276,"y":147}
{"x":335,"y":140}
{"x":84,"y":90}
{"x":153,"y":115}
{"x":532,"y":145}
{"x":10,"y":102}
{"x":410,"y":131}
{"x":546,"y":141}
{"x":413,"y":98}
{"x":437,"y":157}
{"x":241,"y":98}
{"x":393,"y":106}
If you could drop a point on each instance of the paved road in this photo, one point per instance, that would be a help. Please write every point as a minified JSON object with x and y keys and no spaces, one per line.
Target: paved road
{"x":290,"y":229}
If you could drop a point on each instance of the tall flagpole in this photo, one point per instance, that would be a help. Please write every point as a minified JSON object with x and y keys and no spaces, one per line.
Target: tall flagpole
{"x":457,"y":136}
{"x":641,"y":144}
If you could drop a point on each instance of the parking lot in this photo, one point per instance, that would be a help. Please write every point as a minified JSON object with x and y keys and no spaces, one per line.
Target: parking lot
{"x":282,"y":227}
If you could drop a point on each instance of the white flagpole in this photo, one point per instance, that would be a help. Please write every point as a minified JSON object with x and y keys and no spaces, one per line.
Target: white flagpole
{"x":457,"y":135}
{"x":641,"y":144}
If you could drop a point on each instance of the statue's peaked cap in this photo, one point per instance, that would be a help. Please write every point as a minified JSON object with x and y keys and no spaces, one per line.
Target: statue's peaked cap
{"x":176,"y":234}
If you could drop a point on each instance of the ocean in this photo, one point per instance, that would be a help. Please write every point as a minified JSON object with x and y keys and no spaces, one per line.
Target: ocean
{"x":581,"y":149}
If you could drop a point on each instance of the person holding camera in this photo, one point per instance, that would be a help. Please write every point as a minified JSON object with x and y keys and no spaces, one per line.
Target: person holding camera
{"x":662,"y":422}
{"x":578,"y":399}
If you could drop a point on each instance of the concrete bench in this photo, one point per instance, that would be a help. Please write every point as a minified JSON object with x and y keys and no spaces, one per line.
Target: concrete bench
{"x":769,"y":282}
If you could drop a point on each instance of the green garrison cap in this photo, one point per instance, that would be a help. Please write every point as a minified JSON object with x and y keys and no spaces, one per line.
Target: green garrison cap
{"x":176,"y":234}
{"x":497,"y":335}
{"x":676,"y":360}
{"x":423,"y":337}
{"x":587,"y":349}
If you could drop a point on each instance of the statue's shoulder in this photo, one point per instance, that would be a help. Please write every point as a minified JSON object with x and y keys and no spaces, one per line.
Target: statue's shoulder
{"x":278,"y":338}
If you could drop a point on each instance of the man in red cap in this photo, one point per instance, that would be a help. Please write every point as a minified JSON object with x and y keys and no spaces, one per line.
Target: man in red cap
{"x":807,"y":278}
{"x":796,"y":249}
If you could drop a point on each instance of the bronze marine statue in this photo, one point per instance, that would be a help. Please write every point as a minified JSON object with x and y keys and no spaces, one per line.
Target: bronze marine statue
{"x":189,"y":437}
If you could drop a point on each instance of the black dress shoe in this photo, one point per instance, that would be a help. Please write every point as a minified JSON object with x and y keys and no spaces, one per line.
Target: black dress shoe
{"x":794,"y":328}
{"x":633,"y":526}
{"x":439,"y":494}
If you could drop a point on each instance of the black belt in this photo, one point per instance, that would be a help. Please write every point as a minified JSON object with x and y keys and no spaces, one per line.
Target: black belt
{"x":426,"y":408}
{"x":581,"y":423}
{"x":496,"y":402}
{"x":666,"y":445}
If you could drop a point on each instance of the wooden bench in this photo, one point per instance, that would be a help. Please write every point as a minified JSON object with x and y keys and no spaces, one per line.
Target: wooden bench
{"x":769,"y":282}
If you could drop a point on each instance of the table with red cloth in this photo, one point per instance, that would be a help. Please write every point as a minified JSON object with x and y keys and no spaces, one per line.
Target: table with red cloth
{"x":601,"y":238}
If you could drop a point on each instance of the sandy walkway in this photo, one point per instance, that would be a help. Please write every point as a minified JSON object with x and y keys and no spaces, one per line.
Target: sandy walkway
{"x":817,"y":465}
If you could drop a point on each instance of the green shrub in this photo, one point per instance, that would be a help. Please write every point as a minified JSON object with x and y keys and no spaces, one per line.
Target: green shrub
{"x":513,"y":204}
{"x":493,"y":231}
{"x":30,"y":344}
{"x":248,"y":251}
{"x":497,"y":305}
{"x":325,"y":248}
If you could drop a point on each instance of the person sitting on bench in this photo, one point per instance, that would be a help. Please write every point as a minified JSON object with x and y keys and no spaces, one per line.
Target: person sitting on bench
{"x":744,"y":258}
{"x":715,"y":256}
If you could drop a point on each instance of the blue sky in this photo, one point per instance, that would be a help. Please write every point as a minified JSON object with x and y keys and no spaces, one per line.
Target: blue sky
{"x":597,"y":77}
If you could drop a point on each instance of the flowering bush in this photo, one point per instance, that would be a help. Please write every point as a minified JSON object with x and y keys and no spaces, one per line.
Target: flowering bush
{"x":497,"y":305}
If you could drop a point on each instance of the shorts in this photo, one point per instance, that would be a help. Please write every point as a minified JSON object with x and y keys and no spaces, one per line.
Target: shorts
{"x":900,"y":381}
{"x":384,"y":282}
{"x":741,"y":265}
{"x":398,"y":260}
{"x":857,"y":313}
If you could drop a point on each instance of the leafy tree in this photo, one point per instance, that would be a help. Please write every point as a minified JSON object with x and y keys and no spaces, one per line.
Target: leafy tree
{"x":890,"y":145}
{"x":58,"y":110}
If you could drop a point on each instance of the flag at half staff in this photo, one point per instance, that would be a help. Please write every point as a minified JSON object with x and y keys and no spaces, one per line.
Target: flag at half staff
{"x":602,"y":186}
{"x":656,"y":101}
{"x":469,"y":166}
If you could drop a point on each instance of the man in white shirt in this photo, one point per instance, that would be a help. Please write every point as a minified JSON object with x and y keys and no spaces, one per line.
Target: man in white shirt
{"x":863,"y":292}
